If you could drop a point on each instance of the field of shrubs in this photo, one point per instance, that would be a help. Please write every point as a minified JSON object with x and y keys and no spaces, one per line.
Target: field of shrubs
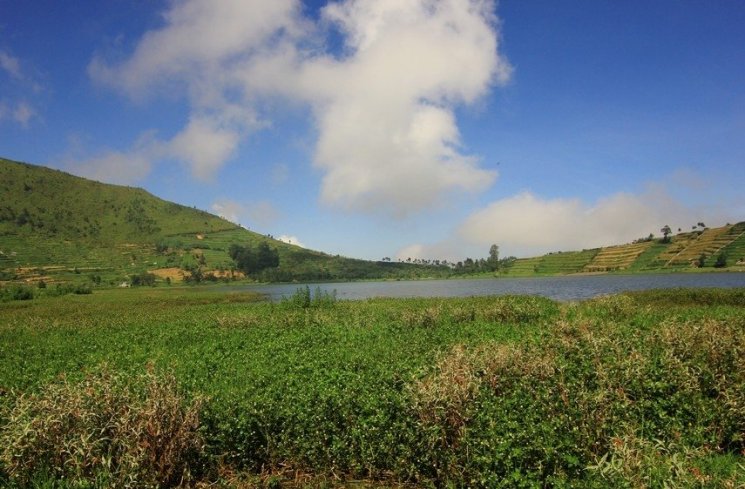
{"x":193,"y":388}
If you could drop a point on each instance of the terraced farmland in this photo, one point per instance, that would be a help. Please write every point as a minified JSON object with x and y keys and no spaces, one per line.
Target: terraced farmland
{"x":523,"y":266}
{"x":649,"y":256}
{"x":708,"y":243}
{"x":566,"y":262}
{"x":735,"y":249}
{"x":678,"y":244}
{"x":616,"y":257}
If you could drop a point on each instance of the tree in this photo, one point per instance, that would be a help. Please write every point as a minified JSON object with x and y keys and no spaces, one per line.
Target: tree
{"x":266,"y":257}
{"x":721,"y":261}
{"x":666,"y":231}
{"x":493,"y":261}
{"x":251,"y":261}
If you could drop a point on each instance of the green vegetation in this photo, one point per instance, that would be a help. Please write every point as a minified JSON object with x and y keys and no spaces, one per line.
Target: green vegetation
{"x":57,"y":227}
{"x":681,"y":252}
{"x":640,"y":389}
{"x":562,"y":263}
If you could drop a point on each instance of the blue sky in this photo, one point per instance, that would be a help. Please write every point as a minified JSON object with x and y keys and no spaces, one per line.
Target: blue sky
{"x":409,"y":128}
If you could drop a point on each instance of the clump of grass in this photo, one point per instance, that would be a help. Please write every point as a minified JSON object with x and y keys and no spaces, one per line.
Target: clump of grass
{"x":127,"y":431}
{"x":428,"y":317}
{"x":544,"y":411}
{"x":16,"y":293}
{"x":304,"y":299}
{"x":637,"y":462}
{"x":519,"y":309}
{"x":689,"y":297}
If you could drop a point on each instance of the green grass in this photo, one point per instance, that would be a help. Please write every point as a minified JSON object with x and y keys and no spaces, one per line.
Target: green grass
{"x":565,"y":262}
{"x":52,"y":223}
{"x":735,"y":250}
{"x":639,"y":389}
{"x":649,"y":256}
{"x":523,"y":266}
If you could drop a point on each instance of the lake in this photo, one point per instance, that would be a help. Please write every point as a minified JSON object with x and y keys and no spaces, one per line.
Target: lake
{"x":562,"y":288}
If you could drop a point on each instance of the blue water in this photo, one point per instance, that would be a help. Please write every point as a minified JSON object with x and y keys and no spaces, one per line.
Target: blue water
{"x":560,"y":288}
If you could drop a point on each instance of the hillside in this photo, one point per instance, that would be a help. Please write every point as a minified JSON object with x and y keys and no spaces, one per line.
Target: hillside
{"x":58,"y":227}
{"x":707,"y":248}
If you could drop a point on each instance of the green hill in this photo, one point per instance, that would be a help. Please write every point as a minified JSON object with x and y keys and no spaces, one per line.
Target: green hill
{"x":58,"y":227}
{"x":722,"y":247}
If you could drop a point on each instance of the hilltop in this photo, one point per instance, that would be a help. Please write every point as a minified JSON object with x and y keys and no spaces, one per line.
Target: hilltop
{"x":58,"y":227}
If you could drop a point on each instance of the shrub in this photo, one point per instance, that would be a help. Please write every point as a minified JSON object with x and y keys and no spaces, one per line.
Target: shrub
{"x":127,"y":431}
{"x":64,"y":289}
{"x":143,"y":279}
{"x":16,"y":293}
{"x":303,"y":299}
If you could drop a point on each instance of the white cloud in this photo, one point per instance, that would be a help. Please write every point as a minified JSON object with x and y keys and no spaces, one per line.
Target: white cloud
{"x":260,"y":214}
{"x":526,"y":224}
{"x":204,"y":145}
{"x":13,"y":107}
{"x":11,"y":65}
{"x":388,"y":141}
{"x":291,"y":240}
{"x":115,"y":167}
{"x":228,"y":209}
{"x":416,"y":250}
{"x":198,"y":38}
{"x":388,"y":138}
{"x":450,"y":249}
{"x":193,"y":54}
{"x":23,"y":113}
{"x":120,"y":167}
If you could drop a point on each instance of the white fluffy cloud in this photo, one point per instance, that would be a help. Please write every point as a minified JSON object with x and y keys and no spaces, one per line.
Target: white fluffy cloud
{"x":526,"y":224}
{"x":228,"y":209}
{"x":291,"y":240}
{"x":115,"y":167}
{"x":199,"y":38}
{"x":204,"y":145}
{"x":388,"y":140}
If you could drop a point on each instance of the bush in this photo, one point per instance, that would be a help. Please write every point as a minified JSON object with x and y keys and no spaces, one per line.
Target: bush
{"x":303,"y":299}
{"x":16,"y":293}
{"x":143,"y":279}
{"x":64,"y":289}
{"x":128,"y":432}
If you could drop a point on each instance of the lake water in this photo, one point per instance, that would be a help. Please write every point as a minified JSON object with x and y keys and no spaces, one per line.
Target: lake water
{"x":560,"y":288}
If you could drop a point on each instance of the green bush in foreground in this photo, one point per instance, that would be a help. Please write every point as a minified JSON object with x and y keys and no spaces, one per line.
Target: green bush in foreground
{"x":111,"y":430}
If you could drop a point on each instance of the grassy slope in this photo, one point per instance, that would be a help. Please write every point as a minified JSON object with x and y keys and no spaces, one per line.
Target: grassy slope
{"x":60,"y":227}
